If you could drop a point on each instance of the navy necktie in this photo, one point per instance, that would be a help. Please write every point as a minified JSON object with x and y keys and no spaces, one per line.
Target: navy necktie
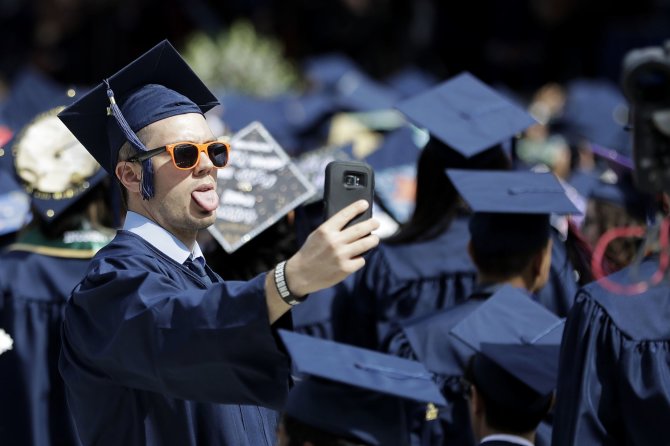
{"x":197,"y":265}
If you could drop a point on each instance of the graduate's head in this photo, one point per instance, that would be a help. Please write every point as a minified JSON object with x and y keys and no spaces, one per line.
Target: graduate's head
{"x":500,"y":401}
{"x":351,"y":396}
{"x":510,"y":379}
{"x":506,"y":246}
{"x":510,"y":231}
{"x":131,"y":123}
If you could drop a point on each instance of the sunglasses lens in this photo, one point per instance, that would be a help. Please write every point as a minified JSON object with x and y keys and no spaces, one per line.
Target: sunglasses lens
{"x":185,"y":155}
{"x":218,"y":153}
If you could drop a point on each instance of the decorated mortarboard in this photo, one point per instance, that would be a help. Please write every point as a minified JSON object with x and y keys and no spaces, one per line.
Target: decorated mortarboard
{"x":260,"y":185}
{"x":466,"y":114}
{"x":55,"y":169}
{"x":157,"y":85}
{"x":356,"y":393}
{"x":512,"y":332}
{"x":14,"y":204}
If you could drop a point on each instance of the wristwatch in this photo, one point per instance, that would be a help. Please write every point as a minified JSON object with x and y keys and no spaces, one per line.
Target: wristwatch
{"x":282,"y":287}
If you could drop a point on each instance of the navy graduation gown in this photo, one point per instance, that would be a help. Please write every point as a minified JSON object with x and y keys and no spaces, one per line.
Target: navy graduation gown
{"x":559,"y":292}
{"x":153,"y":356}
{"x":400,"y":282}
{"x":36,"y":278}
{"x":614,"y":375}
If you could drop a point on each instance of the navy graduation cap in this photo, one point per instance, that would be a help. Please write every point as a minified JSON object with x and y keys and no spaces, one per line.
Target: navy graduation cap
{"x":511,"y":208}
{"x":54,"y":168}
{"x":355,"y":393}
{"x":466,"y":114}
{"x":508,"y":192}
{"x":157,"y":85}
{"x":517,"y":342}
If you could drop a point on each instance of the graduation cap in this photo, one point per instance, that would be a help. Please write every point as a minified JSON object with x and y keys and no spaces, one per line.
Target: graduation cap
{"x":466,"y":114}
{"x":511,"y":208}
{"x":356,"y":393}
{"x":598,"y":111}
{"x":411,"y":81}
{"x":55,"y":169}
{"x":517,"y":342}
{"x":157,"y":85}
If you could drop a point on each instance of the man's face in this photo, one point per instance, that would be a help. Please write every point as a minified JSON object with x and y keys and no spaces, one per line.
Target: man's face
{"x":185,"y":201}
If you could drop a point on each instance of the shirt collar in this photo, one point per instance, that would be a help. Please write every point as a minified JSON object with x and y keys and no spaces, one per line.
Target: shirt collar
{"x":515,"y":439}
{"x":160,"y":238}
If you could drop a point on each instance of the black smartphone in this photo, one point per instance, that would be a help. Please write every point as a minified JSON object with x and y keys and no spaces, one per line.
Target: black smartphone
{"x":346,"y":182}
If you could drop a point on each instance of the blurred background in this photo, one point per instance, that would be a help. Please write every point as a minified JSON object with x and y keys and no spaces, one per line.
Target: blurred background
{"x":521,"y":44}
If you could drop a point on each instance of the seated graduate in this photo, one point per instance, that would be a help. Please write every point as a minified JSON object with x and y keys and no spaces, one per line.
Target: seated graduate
{"x":71,"y":222}
{"x":157,"y":348}
{"x":511,"y":244}
{"x":615,"y":358}
{"x":510,"y":380}
{"x":425,"y":267}
{"x":347,"y":395}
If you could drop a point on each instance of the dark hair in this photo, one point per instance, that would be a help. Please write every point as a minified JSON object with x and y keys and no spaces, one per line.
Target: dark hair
{"x":509,"y":418}
{"x":437,"y":201}
{"x":300,"y":433}
{"x":503,"y":245}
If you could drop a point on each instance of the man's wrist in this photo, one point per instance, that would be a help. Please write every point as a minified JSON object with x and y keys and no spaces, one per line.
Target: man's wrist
{"x":282,"y":285}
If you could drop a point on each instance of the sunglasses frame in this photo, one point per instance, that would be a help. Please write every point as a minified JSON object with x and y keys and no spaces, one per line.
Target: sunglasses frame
{"x":202,"y":148}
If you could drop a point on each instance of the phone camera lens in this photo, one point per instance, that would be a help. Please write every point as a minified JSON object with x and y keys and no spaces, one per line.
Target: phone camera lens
{"x":351,"y":180}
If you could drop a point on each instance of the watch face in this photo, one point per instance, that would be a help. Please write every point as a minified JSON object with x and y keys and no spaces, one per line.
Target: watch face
{"x":50,"y":161}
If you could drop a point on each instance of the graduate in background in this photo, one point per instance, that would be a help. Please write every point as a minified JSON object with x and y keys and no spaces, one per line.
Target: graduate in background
{"x":425,"y":267}
{"x":511,"y":244}
{"x":615,"y":361}
{"x":351,"y":396}
{"x":157,"y":348}
{"x":71,"y":222}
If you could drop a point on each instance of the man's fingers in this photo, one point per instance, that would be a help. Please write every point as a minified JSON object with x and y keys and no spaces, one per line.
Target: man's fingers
{"x":344,"y":216}
{"x":359,"y":230}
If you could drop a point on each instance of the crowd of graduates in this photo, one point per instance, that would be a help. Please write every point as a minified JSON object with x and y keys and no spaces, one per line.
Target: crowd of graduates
{"x":482,"y":316}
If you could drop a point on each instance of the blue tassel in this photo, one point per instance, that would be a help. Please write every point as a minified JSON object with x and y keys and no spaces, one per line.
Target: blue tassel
{"x":147,"y":186}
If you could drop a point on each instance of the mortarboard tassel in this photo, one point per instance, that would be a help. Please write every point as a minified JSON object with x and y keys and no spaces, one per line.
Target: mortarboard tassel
{"x":147,"y":186}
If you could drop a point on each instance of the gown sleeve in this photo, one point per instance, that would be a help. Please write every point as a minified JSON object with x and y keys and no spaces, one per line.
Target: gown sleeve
{"x":614,"y":372}
{"x":131,"y":325}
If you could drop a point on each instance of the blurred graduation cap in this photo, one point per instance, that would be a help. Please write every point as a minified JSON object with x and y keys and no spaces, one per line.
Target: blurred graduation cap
{"x":411,"y":81}
{"x":597,"y":111}
{"x":350,"y":87}
{"x":355,"y":393}
{"x":157,"y":85}
{"x":14,"y":204}
{"x":517,"y":342}
{"x":466,"y":114}
{"x":55,"y":169}
{"x":511,"y":208}
{"x":287,"y":117}
{"x":619,"y":188}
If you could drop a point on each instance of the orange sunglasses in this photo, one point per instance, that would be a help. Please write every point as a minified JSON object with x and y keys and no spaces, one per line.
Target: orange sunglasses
{"x":185,"y":155}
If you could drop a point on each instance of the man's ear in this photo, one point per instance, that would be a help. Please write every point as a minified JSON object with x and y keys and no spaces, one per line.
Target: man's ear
{"x":476,"y":401}
{"x":129,"y":175}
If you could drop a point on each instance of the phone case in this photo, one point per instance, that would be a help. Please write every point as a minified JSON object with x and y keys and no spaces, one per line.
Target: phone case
{"x":346,"y":182}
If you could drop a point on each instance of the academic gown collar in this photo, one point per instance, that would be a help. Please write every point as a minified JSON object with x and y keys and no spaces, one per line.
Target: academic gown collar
{"x":160,"y":238}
